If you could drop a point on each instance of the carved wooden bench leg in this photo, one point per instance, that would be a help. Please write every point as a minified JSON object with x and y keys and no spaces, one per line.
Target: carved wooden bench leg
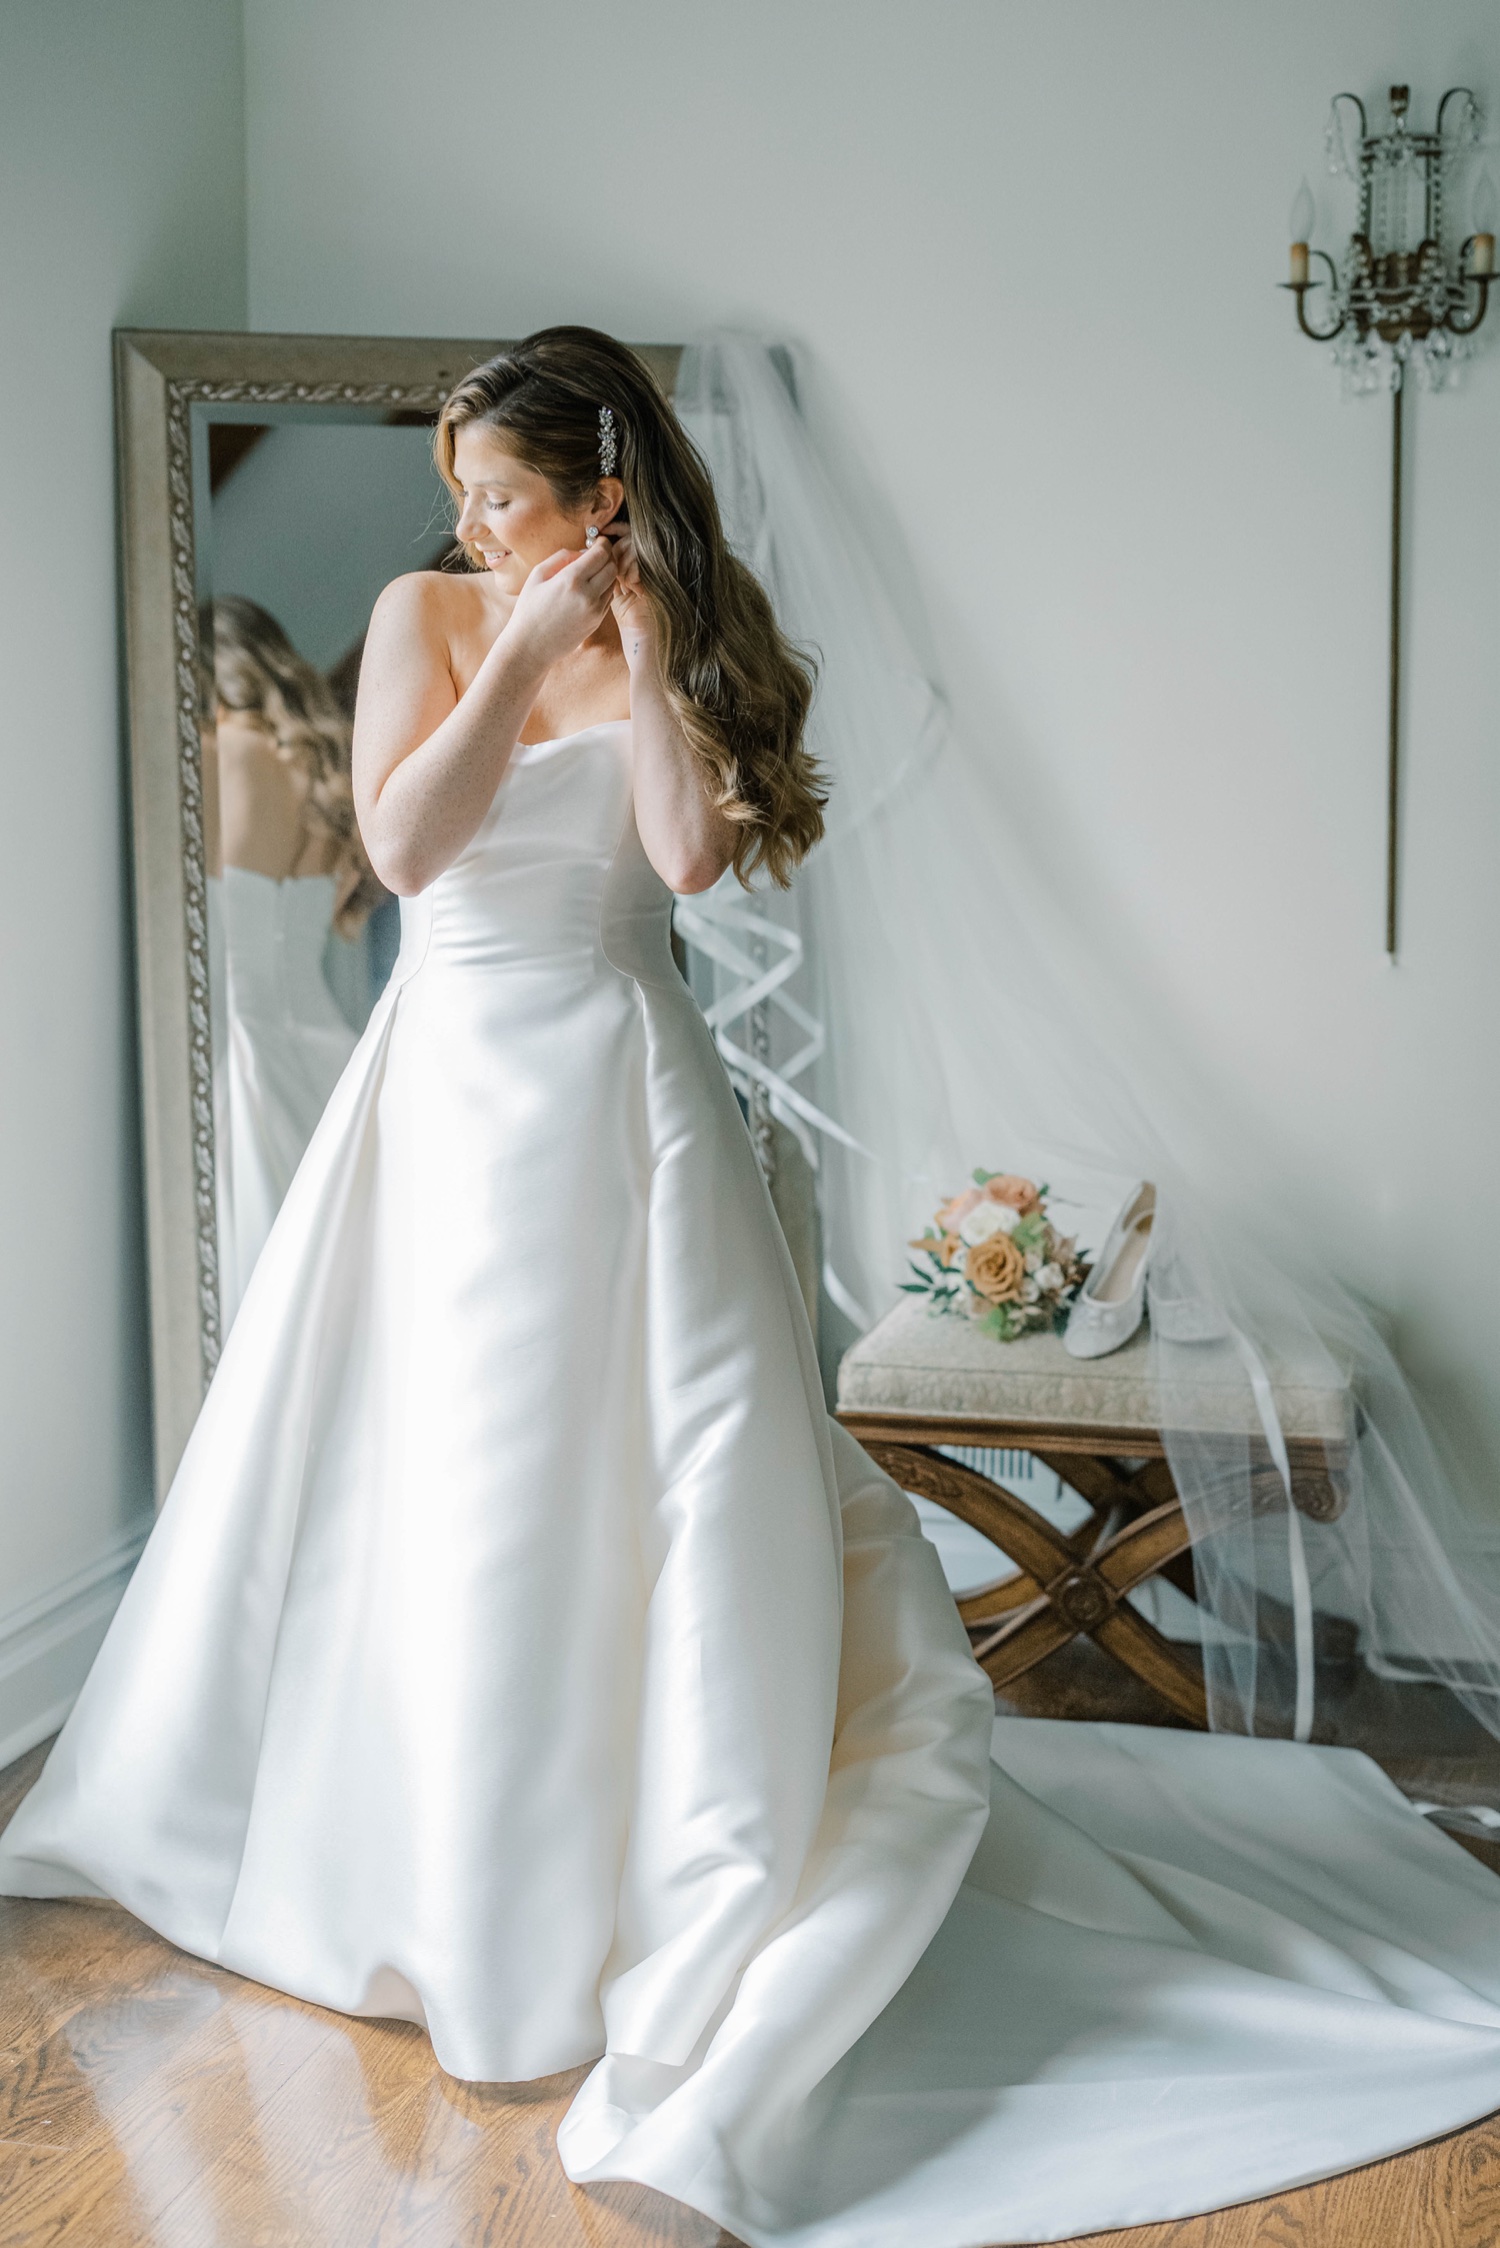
{"x":1089,"y":1597}
{"x":1148,"y":1484}
{"x":1067,"y":1585}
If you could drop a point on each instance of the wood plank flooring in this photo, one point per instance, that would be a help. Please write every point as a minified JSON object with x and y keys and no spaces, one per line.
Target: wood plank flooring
{"x":150,"y":2101}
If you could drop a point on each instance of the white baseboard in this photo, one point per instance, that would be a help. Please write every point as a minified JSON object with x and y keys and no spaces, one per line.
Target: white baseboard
{"x":47,"y":1646}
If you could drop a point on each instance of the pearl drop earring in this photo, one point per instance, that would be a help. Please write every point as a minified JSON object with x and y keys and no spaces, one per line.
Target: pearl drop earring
{"x":591,"y":534}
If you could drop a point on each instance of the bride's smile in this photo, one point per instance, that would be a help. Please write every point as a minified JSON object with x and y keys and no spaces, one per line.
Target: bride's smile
{"x":510,"y":513}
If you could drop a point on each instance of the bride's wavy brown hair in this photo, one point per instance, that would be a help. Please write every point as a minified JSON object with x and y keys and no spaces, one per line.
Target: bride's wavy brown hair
{"x":737,"y":687}
{"x":258,"y":672}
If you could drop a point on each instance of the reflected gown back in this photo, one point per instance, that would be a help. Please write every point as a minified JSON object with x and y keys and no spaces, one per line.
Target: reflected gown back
{"x":523,"y":1653}
{"x":280,"y":1046}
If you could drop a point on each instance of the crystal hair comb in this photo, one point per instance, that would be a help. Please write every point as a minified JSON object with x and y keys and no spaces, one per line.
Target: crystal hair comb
{"x":607,"y":449}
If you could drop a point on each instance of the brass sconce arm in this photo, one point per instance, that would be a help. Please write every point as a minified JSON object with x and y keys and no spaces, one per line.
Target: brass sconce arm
{"x":1301,"y":291}
{"x":1453,"y":94}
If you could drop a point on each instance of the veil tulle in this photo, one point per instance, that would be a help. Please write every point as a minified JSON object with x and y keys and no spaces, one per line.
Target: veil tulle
{"x":915,"y":1007}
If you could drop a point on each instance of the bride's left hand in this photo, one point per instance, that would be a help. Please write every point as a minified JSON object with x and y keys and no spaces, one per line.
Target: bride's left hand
{"x":628,"y":600}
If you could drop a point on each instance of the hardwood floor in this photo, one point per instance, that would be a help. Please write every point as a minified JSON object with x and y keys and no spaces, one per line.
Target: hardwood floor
{"x":150,"y":2101}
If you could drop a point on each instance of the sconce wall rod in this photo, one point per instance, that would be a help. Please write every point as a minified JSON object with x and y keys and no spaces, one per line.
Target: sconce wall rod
{"x":1397,"y":304}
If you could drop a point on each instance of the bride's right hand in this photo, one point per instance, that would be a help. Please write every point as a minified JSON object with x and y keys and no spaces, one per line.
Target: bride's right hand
{"x":563,"y":600}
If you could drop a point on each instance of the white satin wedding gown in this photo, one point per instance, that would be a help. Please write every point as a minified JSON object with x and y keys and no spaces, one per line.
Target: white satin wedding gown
{"x":523,"y":1653}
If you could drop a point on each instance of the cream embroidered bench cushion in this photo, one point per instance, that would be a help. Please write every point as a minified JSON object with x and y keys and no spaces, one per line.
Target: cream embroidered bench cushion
{"x":916,"y":1362}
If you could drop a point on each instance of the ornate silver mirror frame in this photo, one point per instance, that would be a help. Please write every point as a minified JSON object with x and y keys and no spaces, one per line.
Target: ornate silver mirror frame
{"x":160,"y":377}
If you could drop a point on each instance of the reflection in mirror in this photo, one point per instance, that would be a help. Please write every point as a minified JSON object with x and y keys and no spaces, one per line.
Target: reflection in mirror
{"x":302,"y":515}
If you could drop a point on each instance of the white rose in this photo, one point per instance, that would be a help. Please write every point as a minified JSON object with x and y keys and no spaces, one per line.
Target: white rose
{"x":1049,"y":1278}
{"x":986,"y":1218}
{"x":1029,"y":1291}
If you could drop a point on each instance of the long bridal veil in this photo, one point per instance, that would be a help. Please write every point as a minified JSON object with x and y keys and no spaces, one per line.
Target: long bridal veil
{"x":919,"y":1008}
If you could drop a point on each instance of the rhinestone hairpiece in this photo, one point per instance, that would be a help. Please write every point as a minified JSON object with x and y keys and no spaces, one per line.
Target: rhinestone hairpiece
{"x":607,"y":451}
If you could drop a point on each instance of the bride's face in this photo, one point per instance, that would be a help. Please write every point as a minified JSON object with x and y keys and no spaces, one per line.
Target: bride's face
{"x":510,"y":512}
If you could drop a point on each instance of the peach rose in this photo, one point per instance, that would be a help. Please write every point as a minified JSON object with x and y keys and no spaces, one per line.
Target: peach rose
{"x":952,"y":1214}
{"x":1017,"y":1194}
{"x":996,"y":1270}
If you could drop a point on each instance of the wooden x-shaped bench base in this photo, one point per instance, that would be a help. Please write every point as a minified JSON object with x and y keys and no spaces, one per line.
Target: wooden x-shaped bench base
{"x":1068,"y":1583}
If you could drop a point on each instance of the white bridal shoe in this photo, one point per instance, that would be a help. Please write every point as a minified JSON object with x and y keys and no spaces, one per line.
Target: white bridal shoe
{"x":1112,"y":1301}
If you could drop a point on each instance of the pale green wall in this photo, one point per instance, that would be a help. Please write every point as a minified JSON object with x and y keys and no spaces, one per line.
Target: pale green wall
{"x":121,"y":202}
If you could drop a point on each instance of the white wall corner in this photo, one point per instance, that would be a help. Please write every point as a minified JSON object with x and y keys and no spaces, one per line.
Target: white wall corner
{"x":46,"y":1647}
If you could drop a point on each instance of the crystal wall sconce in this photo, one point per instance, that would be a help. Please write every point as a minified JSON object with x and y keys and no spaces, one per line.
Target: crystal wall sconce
{"x":1405,"y":299}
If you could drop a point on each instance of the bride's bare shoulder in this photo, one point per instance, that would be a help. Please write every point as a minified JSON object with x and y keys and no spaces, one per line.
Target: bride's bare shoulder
{"x":440,"y":605}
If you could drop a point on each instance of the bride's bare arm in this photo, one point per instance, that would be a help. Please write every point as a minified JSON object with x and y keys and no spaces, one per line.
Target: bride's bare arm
{"x":687,"y":841}
{"x":427,"y":760}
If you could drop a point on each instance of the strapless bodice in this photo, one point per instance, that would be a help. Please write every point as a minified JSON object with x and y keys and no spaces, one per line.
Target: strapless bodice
{"x":274,"y":935}
{"x":555,"y":878}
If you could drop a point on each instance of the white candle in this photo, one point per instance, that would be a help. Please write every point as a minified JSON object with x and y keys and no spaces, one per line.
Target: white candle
{"x":1299,"y":227}
{"x":1486,"y":216}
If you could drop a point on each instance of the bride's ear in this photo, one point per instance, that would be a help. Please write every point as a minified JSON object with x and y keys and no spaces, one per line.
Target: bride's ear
{"x":609,"y":498}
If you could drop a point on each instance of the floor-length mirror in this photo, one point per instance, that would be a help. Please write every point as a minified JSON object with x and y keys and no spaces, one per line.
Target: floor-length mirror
{"x":302,"y":514}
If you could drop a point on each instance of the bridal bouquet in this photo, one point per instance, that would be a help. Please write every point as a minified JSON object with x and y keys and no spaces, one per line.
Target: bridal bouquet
{"x":993,"y":1252}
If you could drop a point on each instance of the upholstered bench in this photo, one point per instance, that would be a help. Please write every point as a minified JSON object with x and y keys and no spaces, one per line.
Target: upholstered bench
{"x":919,"y":1382}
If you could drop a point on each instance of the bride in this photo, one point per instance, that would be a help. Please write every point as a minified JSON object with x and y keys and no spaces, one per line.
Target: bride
{"x":523,"y":1653}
